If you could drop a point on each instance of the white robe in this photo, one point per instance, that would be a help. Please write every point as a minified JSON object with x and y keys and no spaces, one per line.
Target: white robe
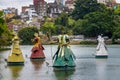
{"x":101,"y":48}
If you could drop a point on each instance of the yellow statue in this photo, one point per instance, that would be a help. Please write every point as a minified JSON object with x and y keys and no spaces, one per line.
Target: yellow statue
{"x":15,"y":57}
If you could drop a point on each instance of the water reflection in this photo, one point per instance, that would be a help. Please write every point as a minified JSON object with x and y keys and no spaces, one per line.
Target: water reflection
{"x":87,"y":67}
{"x":64,"y":74}
{"x":15,"y":71}
{"x":101,"y":69}
{"x":37,"y":64}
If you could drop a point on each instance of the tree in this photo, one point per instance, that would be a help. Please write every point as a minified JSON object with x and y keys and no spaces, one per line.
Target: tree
{"x":26,"y":34}
{"x":5,"y":39}
{"x":62,"y":19}
{"x":77,"y":29}
{"x":98,"y":23}
{"x":64,"y":23}
{"x":5,"y":34}
{"x":48,"y":28}
{"x":2,"y":23}
{"x":116,"y":34}
{"x":83,"y":7}
{"x":59,"y":29}
{"x":117,"y":10}
{"x":71,"y":22}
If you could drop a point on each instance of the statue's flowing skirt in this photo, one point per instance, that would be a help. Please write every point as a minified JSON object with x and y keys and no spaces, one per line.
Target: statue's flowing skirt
{"x":15,"y":57}
{"x":37,"y":52}
{"x":101,"y":49}
{"x":64,"y":57}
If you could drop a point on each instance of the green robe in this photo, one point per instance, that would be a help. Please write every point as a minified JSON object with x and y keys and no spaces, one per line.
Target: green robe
{"x":64,"y":55}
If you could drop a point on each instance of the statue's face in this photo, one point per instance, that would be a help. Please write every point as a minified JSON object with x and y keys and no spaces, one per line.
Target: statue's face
{"x":36,"y":35}
{"x":99,"y":36}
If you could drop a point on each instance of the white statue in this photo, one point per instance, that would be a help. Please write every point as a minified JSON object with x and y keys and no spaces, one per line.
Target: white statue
{"x":101,"y":50}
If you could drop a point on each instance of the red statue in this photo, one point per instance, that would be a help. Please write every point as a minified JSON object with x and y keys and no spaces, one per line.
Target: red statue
{"x":37,"y":50}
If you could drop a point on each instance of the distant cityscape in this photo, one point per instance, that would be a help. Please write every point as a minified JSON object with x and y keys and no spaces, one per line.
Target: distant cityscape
{"x":35,"y":13}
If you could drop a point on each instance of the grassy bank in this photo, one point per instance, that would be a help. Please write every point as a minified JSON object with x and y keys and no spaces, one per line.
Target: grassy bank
{"x":84,"y":42}
{"x":4,"y":48}
{"x":72,"y":42}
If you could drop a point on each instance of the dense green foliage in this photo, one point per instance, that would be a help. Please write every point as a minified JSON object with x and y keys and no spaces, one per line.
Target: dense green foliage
{"x":26,"y":34}
{"x":90,"y":19}
{"x":61,"y":23}
{"x":65,"y":23}
{"x":2,"y":23}
{"x":116,"y":34}
{"x":94,"y":18}
{"x":98,"y":23}
{"x":48,"y":28}
{"x":62,"y":19}
{"x":5,"y":34}
{"x":77,"y":28}
{"x":117,"y":10}
{"x":83,"y":7}
{"x":88,"y":42}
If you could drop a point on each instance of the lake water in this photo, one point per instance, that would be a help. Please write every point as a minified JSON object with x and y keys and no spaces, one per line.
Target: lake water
{"x":87,"y":67}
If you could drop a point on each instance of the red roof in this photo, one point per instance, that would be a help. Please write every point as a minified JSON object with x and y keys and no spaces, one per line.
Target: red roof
{"x":35,"y":1}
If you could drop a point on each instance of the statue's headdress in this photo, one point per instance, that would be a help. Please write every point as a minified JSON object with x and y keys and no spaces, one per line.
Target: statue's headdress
{"x":35,"y":34}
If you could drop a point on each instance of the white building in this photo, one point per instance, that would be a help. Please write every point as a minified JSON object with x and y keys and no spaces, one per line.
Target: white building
{"x":70,"y":4}
{"x":105,"y":1}
{"x":29,"y":13}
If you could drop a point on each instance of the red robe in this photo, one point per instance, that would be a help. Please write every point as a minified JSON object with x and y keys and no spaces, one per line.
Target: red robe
{"x":37,"y":50}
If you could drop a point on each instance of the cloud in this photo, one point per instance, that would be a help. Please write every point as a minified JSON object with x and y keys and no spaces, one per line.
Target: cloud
{"x":14,"y":3}
{"x":17,"y":3}
{"x":118,"y":1}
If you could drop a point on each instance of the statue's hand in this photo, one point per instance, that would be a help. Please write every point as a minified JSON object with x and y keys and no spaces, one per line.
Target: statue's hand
{"x":32,"y":40}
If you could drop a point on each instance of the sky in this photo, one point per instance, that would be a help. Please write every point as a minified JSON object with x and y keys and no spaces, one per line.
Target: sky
{"x":118,"y":1}
{"x":18,"y":3}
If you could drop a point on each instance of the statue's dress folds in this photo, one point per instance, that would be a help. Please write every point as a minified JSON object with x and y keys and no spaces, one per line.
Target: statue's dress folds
{"x":15,"y":57}
{"x":101,"y":50}
{"x":37,"y":50}
{"x":64,"y":56}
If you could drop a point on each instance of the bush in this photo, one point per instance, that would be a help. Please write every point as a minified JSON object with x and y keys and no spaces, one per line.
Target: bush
{"x":88,"y":42}
{"x":26,"y":34}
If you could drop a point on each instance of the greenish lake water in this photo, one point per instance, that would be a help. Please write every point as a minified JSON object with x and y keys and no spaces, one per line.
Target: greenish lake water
{"x":87,"y":67}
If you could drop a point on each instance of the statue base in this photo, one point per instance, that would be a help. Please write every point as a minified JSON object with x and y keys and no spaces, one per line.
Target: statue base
{"x":37,"y":58}
{"x":64,"y":67}
{"x":101,"y":56}
{"x":15,"y":63}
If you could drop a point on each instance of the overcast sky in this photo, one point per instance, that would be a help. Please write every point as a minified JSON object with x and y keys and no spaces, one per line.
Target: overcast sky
{"x":18,"y":3}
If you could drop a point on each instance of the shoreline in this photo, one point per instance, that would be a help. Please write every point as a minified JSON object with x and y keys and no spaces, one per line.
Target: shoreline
{"x":84,"y":42}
